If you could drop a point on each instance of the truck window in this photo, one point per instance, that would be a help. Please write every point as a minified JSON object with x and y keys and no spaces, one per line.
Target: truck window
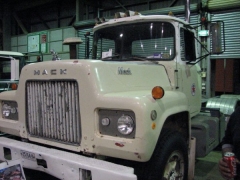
{"x":105,"y":46}
{"x":153,"y":46}
{"x":155,"y":41}
{"x":5,"y":70}
{"x":187,"y":46}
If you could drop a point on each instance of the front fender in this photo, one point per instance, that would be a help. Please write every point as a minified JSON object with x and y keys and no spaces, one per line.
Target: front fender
{"x":147,"y":130}
{"x":6,"y":125}
{"x":172,"y":103}
{"x":8,"y":95}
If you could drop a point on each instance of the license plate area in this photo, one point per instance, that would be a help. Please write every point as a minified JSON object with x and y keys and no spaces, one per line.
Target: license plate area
{"x":28,"y":155}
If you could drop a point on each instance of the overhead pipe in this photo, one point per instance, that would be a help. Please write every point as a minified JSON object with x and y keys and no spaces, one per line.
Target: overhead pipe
{"x":77,"y":10}
{"x":215,"y":5}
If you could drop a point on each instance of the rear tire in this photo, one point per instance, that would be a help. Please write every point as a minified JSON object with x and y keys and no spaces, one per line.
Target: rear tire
{"x":169,"y":160}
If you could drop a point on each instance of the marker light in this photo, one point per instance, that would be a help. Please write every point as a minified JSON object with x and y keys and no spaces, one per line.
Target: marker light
{"x":153,"y":115}
{"x":153,"y":125}
{"x":119,"y":15}
{"x":126,"y":14}
{"x":157,"y":92}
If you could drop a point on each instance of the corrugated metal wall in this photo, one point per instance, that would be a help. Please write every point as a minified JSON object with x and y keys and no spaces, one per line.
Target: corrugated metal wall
{"x":81,"y":47}
{"x":55,"y":38}
{"x":232,"y":38}
{"x":194,"y":19}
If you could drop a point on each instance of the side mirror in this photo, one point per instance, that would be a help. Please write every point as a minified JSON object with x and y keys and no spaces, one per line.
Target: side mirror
{"x":218,"y":37}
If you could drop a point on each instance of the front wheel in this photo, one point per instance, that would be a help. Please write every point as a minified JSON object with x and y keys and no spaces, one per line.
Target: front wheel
{"x":169,"y":160}
{"x":174,"y":168}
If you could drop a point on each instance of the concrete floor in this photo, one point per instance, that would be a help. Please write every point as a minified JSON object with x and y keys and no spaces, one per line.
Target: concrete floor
{"x":207,"y":168}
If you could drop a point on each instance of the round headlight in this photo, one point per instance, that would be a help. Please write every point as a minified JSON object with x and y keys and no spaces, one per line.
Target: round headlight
{"x":6,"y":110}
{"x":125,"y":125}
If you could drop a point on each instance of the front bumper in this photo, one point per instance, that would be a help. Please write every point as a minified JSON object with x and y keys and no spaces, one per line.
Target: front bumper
{"x":61,"y":164}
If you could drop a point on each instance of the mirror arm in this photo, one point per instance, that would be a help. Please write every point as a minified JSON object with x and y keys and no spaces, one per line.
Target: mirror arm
{"x":200,"y":59}
{"x":202,"y":45}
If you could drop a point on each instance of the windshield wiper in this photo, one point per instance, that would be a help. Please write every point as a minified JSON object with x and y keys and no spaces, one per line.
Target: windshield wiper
{"x":116,"y":55}
{"x":143,"y":59}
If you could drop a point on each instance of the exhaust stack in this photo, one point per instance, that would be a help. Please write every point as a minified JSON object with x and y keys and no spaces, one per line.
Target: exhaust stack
{"x":72,"y":42}
{"x":187,"y":11}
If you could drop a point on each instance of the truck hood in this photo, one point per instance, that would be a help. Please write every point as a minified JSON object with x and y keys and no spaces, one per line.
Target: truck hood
{"x":105,"y":76}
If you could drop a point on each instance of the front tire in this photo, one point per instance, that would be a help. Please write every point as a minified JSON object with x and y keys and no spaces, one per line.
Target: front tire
{"x":169,"y":160}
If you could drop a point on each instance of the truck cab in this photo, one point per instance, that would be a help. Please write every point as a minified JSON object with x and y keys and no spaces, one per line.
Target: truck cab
{"x":161,"y":40}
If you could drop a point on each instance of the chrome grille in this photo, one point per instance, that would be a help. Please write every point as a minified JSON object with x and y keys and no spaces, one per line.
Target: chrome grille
{"x":53,"y":110}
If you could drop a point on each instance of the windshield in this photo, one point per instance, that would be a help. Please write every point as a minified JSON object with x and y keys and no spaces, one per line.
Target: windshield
{"x":150,"y":41}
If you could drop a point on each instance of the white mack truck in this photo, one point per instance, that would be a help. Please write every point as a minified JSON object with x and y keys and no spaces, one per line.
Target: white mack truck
{"x":125,"y":114}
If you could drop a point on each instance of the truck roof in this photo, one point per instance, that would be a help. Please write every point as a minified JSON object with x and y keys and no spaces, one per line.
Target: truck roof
{"x":143,"y":18}
{"x":10,"y":53}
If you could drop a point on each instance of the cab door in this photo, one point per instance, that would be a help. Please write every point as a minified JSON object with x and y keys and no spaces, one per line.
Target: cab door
{"x":191,"y":73}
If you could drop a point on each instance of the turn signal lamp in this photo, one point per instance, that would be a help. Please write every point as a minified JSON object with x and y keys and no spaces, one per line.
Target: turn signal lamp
{"x":14,"y":86}
{"x":157,"y":92}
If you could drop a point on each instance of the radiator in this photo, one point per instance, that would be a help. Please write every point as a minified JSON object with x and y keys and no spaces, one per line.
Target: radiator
{"x":53,"y":111}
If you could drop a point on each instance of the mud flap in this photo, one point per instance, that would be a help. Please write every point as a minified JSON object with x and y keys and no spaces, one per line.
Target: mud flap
{"x":191,"y":164}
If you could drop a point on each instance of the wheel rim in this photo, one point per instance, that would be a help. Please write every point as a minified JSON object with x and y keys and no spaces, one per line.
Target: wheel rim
{"x":174,"y":169}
